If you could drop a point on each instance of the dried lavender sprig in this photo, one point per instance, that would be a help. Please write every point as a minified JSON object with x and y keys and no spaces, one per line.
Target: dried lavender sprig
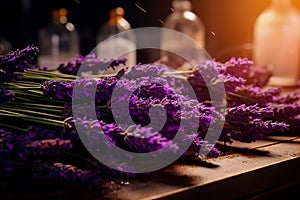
{"x":250,"y":95}
{"x":285,"y":111}
{"x":289,"y":98}
{"x":90,"y":61}
{"x":65,"y":173}
{"x":238,"y":67}
{"x":130,"y":139}
{"x":142,"y":139}
{"x":294,"y":124}
{"x":17,"y":61}
{"x":245,"y":68}
{"x":13,"y":58}
{"x":243,"y":113}
{"x":207,"y":150}
{"x":254,"y":130}
{"x":47,"y":148}
{"x":55,"y":89}
{"x":42,"y":132}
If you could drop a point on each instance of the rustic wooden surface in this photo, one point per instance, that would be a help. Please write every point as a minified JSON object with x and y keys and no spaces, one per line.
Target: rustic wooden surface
{"x":246,"y":170}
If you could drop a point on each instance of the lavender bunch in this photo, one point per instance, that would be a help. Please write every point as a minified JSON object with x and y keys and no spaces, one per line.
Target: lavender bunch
{"x":212,"y":74}
{"x":250,"y":95}
{"x":257,"y":76}
{"x":257,"y":129}
{"x":237,"y":75}
{"x":134,"y":138}
{"x":48,"y":148}
{"x":43,"y":132}
{"x":288,"y":113}
{"x":51,"y":136}
{"x":91,"y":62}
{"x":55,"y":89}
{"x":17,"y":61}
{"x":250,"y":123}
{"x":65,"y":173}
{"x":18,"y":146}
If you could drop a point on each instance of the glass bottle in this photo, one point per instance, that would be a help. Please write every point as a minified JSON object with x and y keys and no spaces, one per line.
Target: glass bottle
{"x":5,"y":46}
{"x":277,"y":42}
{"x":58,"y":41}
{"x":109,"y":42}
{"x":183,"y":20}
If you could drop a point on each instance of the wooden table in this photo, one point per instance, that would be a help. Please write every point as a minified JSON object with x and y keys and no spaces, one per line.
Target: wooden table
{"x":259,"y":170}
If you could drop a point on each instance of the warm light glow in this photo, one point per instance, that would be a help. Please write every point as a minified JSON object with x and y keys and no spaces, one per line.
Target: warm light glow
{"x":70,"y":26}
{"x":120,"y":11}
{"x":62,"y":12}
{"x":63,"y":19}
{"x":123,"y":23}
{"x":189,"y":15}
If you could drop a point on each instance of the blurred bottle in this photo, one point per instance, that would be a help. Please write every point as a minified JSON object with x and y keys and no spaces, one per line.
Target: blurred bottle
{"x":183,"y":20}
{"x":5,"y":46}
{"x":58,"y":41}
{"x":118,"y":44}
{"x":277,"y":42}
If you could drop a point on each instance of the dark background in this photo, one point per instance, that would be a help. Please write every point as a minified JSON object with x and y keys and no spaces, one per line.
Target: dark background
{"x":229,"y":23}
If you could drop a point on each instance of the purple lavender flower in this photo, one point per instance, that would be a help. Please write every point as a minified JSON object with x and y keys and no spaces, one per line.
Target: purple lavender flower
{"x":232,"y":82}
{"x":13,"y":144}
{"x":208,"y":150}
{"x":238,"y":67}
{"x":105,"y":89}
{"x":256,"y":129}
{"x":294,"y":124}
{"x":258,"y":76}
{"x":71,"y":67}
{"x":243,"y":113}
{"x":141,"y":140}
{"x":135,"y":138}
{"x":215,"y":78}
{"x":14,"y":58}
{"x":285,"y":111}
{"x":66,"y":173}
{"x":289,"y":98}
{"x":48,"y":147}
{"x":6,"y":96}
{"x":91,"y":62}
{"x":55,"y":89}
{"x":40,"y":132}
{"x":17,"y":61}
{"x":245,"y":68}
{"x":249,"y":123}
{"x":250,"y":95}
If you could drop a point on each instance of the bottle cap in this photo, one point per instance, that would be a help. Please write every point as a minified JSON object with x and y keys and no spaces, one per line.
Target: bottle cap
{"x":116,"y":12}
{"x":182,"y":5}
